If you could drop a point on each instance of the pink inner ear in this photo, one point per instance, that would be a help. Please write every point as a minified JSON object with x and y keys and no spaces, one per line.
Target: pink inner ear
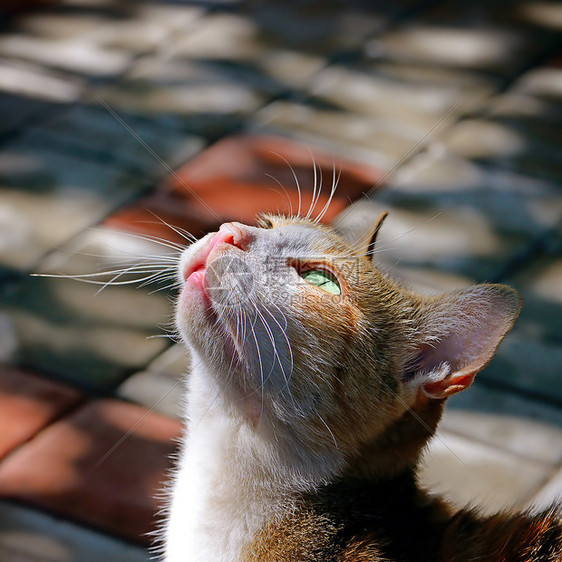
{"x":468,"y":327}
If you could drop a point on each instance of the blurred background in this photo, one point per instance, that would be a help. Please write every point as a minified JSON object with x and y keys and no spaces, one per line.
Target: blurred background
{"x":123,"y":122}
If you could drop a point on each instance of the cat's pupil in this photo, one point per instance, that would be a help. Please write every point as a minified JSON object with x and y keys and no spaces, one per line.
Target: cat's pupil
{"x":323,"y":280}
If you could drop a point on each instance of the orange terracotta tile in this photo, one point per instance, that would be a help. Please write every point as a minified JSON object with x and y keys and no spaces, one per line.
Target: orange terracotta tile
{"x":241,"y":176}
{"x":28,"y":403}
{"x":87,"y":468}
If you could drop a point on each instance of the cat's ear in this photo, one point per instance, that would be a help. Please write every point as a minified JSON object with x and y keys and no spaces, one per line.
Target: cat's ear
{"x":459,"y":335}
{"x":359,"y":224}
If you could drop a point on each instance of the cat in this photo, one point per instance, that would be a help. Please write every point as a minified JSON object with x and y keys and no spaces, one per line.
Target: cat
{"x":316,"y":383}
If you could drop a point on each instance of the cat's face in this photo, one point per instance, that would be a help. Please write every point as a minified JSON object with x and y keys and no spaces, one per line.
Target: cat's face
{"x":298,"y":328}
{"x":302,"y":336}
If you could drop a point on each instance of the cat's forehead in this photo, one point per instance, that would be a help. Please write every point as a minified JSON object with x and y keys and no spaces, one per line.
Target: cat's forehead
{"x":300,"y":236}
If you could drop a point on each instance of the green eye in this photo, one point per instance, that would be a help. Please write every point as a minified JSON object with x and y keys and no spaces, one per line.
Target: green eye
{"x":322,"y":279}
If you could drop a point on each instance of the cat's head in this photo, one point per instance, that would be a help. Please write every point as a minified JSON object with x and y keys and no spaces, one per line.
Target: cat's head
{"x":302,"y":335}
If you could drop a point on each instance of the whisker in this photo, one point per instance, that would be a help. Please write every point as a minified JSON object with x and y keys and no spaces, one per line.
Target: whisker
{"x":148,"y":238}
{"x":329,"y":430}
{"x":181,"y":231}
{"x":295,"y":177}
{"x":335,"y":182}
{"x":284,"y":190}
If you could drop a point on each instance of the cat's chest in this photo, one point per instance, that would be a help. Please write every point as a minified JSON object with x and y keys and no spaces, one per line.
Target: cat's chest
{"x":218,"y":504}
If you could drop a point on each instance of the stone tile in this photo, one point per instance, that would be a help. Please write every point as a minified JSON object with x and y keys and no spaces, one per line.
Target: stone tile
{"x":173,"y":17}
{"x":518,"y":133}
{"x":100,"y":466}
{"x":49,"y":196}
{"x":528,"y":365}
{"x":28,"y":403}
{"x":175,"y":361}
{"x":542,"y":14}
{"x":31,"y":536}
{"x":544,"y":83}
{"x":551,"y":491}
{"x":288,"y":68}
{"x":461,"y":208}
{"x":148,"y":27}
{"x":159,"y":392}
{"x":34,"y":82}
{"x":100,"y":249}
{"x":94,"y":339}
{"x":162,"y":385}
{"x":62,"y":327}
{"x":492,"y":37}
{"x":528,"y":428}
{"x":78,"y":55}
{"x":411,"y":97}
{"x":241,"y":176}
{"x":265,"y":28}
{"x":540,"y":285}
{"x":239,"y":39}
{"x":58,"y":24}
{"x":445,"y":179}
{"x":348,"y":134}
{"x":457,"y":239}
{"x":323,"y":27}
{"x":210,"y":100}
{"x":15,"y":111}
{"x":150,"y":148}
{"x":221,"y":36}
{"x":468,"y":472}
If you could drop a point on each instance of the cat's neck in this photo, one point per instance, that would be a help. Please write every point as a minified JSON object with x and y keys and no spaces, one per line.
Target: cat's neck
{"x":233,"y":477}
{"x":399,"y":448}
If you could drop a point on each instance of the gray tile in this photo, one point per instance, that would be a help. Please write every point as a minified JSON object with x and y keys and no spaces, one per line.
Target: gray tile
{"x":518,"y":133}
{"x":118,"y":139}
{"x":323,"y":27}
{"x":158,"y":392}
{"x":451,"y":214}
{"x":495,"y":37}
{"x":175,"y":362}
{"x":63,"y":328}
{"x":469,"y":472}
{"x":16,"y":110}
{"x":59,"y":25}
{"x":509,"y":426}
{"x":550,"y":492}
{"x":93,"y":340}
{"x":148,"y":27}
{"x":50,"y":196}
{"x":204,"y":99}
{"x":77,"y":55}
{"x":540,"y":285}
{"x":480,"y":398}
{"x":457,"y":238}
{"x":351,"y":135}
{"x":30,"y":536}
{"x":528,"y":365}
{"x":28,"y":91}
{"x":410,"y":97}
{"x":240,"y":38}
{"x":161,"y":386}
{"x":303,"y":28}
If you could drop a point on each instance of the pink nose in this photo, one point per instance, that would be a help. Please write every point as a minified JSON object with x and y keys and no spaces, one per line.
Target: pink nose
{"x":233,"y":233}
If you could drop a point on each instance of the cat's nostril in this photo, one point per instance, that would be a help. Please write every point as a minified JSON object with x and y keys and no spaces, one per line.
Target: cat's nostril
{"x":232,"y":233}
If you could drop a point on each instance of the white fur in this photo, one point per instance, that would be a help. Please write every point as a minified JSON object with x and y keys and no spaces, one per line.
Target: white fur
{"x":230,"y":480}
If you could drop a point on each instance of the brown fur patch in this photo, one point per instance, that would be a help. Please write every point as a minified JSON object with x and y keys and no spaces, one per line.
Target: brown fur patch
{"x":520,"y":537}
{"x":356,"y":521}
